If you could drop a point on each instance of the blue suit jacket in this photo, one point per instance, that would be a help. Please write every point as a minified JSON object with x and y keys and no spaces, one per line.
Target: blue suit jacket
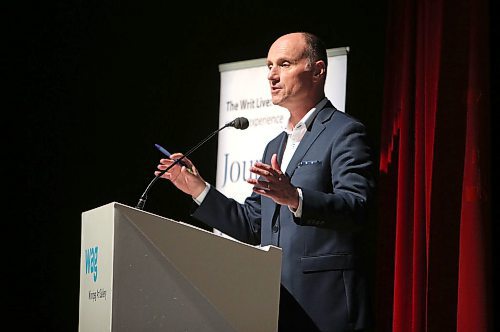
{"x":323,"y":286}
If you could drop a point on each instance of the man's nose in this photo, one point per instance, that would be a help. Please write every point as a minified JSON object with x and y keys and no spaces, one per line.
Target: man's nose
{"x":273,"y":73}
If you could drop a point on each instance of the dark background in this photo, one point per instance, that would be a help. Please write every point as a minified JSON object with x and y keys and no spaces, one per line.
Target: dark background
{"x":94,"y":84}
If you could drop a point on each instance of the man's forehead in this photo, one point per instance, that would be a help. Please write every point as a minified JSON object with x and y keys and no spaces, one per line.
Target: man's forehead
{"x":291,"y":49}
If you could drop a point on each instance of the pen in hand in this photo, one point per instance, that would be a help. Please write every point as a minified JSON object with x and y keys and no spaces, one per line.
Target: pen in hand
{"x":168,"y":154}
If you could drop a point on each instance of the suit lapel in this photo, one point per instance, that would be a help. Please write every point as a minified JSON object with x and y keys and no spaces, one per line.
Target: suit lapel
{"x":316,"y":128}
{"x":277,"y":147}
{"x":281,"y":147}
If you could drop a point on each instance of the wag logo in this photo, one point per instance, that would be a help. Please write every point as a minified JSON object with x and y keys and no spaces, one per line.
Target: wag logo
{"x":91,"y":255}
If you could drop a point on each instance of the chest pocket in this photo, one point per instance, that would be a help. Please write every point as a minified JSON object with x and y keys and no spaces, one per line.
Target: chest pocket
{"x":312,"y":175}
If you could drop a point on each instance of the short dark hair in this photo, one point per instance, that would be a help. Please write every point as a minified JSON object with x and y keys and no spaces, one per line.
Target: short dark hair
{"x":315,"y":49}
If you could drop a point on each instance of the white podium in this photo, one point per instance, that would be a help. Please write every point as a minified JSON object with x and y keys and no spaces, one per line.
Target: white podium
{"x":144,"y":272}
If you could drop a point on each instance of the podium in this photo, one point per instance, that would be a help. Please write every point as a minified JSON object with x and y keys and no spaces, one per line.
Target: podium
{"x":143,"y":272}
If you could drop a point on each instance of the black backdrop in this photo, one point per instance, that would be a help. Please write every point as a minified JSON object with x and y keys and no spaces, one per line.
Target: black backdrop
{"x":96,"y":83}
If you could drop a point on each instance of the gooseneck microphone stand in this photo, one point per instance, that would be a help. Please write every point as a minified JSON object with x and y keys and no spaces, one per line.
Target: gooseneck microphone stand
{"x":238,"y":123}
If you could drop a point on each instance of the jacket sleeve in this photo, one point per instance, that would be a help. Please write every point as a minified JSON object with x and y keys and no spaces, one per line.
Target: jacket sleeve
{"x":240,"y":221}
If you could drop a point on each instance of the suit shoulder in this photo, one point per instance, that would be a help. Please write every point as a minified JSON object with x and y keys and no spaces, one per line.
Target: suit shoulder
{"x":344,"y":119}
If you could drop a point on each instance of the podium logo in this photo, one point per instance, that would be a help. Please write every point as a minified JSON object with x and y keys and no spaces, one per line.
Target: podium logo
{"x":91,"y":261}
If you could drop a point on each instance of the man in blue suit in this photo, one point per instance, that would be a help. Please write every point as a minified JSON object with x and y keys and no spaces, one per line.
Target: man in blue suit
{"x":310,"y":196}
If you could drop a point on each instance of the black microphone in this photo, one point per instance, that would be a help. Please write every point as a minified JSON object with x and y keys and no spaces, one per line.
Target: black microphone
{"x":238,"y":123}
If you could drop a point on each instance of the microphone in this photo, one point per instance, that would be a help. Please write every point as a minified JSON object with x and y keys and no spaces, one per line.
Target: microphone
{"x":238,"y":123}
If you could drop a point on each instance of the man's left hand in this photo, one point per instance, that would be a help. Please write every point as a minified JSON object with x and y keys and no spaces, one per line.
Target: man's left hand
{"x":273,"y":183}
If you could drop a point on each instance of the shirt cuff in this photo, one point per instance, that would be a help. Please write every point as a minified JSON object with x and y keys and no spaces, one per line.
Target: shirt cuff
{"x":298,"y":213}
{"x":199,"y":199}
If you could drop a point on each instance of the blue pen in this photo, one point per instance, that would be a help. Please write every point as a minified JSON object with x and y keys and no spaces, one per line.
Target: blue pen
{"x":168,"y":154}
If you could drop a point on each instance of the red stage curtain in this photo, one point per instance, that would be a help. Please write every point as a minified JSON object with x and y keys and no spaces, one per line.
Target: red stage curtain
{"x":434,"y":263}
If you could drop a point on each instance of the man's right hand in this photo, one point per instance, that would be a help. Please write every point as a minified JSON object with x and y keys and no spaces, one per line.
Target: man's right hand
{"x":186,"y":179}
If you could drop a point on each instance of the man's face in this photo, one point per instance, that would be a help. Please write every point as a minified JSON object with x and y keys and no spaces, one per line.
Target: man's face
{"x":290,"y":77}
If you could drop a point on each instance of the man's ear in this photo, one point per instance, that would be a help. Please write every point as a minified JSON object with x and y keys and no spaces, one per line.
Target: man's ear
{"x":319,"y":69}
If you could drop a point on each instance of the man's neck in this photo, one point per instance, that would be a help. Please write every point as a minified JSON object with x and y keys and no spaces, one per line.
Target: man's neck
{"x":297,"y":113}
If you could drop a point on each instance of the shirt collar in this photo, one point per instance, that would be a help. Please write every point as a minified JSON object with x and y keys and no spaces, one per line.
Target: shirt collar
{"x":307,"y":119}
